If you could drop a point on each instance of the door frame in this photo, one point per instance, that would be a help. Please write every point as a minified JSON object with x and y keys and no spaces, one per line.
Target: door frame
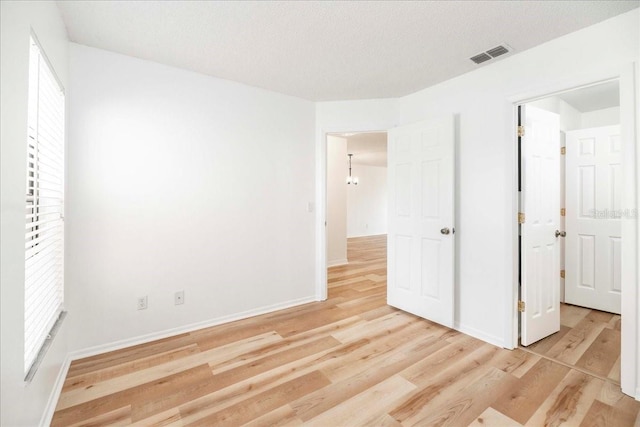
{"x":321,"y":203}
{"x":626,"y":75}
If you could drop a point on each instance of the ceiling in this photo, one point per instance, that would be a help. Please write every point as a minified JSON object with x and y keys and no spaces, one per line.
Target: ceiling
{"x":327,"y":50}
{"x":592,"y":98}
{"x":367,"y":148}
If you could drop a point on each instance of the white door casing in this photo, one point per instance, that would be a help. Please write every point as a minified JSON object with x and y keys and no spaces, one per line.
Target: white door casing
{"x":540,"y":203}
{"x":593,"y":254}
{"x":421,"y":173}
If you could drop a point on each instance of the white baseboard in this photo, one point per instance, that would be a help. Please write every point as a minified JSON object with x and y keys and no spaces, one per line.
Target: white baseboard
{"x":369,"y":234}
{"x":50,"y":408}
{"x":337,"y":262}
{"x":143,"y":339}
{"x":497,"y":341}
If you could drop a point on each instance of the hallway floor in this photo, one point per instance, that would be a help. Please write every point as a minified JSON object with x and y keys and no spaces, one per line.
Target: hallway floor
{"x":588,"y":340}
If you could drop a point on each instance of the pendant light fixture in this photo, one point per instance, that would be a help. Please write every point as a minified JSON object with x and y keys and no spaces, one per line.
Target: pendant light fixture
{"x":351,"y":179}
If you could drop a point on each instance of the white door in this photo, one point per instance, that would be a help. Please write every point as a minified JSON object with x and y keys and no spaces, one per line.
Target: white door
{"x":421,"y":219}
{"x":594,"y":178}
{"x":540,"y":203}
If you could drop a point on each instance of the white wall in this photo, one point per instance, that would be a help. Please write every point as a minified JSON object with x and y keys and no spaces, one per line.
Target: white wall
{"x":355,"y":116}
{"x":634,"y":226}
{"x":570,"y":118}
{"x":22,"y":404}
{"x":180,"y":181}
{"x":604,"y":117}
{"x":336,"y":201}
{"x":367,"y":202}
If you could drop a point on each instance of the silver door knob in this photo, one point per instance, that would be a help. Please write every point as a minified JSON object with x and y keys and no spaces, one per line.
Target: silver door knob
{"x":561,"y":233}
{"x":444,"y":231}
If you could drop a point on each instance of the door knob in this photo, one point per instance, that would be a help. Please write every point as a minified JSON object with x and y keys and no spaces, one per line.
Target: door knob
{"x":561,"y":233}
{"x":444,"y":231}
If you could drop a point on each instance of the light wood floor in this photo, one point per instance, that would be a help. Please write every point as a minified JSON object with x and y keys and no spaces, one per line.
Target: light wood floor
{"x":348,"y":361}
{"x":588,"y":340}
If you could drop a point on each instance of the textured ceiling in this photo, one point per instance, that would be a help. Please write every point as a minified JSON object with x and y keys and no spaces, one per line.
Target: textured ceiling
{"x":326,"y":50}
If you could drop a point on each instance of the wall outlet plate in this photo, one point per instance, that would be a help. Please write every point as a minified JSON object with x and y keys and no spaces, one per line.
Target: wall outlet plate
{"x":142,"y":303}
{"x":178,"y":298}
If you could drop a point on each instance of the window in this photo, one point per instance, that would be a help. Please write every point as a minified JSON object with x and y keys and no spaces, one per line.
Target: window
{"x":44,"y":237}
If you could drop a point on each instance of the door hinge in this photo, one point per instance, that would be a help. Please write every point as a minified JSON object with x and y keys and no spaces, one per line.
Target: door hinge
{"x":520,"y":217}
{"x":520,"y":131}
{"x":562,"y":273}
{"x":521,"y":306}
{"x":563,"y":150}
{"x":563,"y":212}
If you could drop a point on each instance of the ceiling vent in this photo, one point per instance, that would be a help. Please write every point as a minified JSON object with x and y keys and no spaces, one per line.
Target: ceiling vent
{"x":497,"y":51}
{"x":490,"y":54}
{"x":479,"y":59}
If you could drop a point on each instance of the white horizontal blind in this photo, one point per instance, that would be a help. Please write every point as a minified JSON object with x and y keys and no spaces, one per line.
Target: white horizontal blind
{"x":44,"y":237}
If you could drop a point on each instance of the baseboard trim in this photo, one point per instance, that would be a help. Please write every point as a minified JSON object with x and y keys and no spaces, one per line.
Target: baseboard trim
{"x":143,"y":339}
{"x":497,"y":341}
{"x":50,"y":408}
{"x":337,"y":262}
{"x":355,"y":236}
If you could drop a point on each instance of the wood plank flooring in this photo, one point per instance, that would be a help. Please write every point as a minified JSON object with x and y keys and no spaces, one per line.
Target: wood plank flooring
{"x":588,"y":340}
{"x":349,"y":361}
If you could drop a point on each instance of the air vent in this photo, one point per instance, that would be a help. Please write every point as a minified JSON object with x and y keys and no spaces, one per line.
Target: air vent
{"x":490,"y":54}
{"x":497,"y":51}
{"x":479,"y":59}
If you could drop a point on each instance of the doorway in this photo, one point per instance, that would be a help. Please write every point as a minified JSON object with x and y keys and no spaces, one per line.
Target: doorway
{"x":570,"y":182}
{"x":356,"y":190}
{"x":421,"y":219}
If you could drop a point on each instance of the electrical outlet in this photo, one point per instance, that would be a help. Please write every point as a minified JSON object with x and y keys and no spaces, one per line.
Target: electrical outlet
{"x":142,"y":303}
{"x":178,"y":298}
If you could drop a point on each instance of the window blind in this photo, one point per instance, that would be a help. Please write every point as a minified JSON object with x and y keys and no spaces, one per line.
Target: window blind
{"x":44,"y":236}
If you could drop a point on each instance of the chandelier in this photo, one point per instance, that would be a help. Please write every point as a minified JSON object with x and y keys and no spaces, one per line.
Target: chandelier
{"x":351,"y":179}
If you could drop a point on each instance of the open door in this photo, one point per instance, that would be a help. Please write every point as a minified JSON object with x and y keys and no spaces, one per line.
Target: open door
{"x":421,"y":219}
{"x":540,"y":220}
{"x":594,"y":244}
